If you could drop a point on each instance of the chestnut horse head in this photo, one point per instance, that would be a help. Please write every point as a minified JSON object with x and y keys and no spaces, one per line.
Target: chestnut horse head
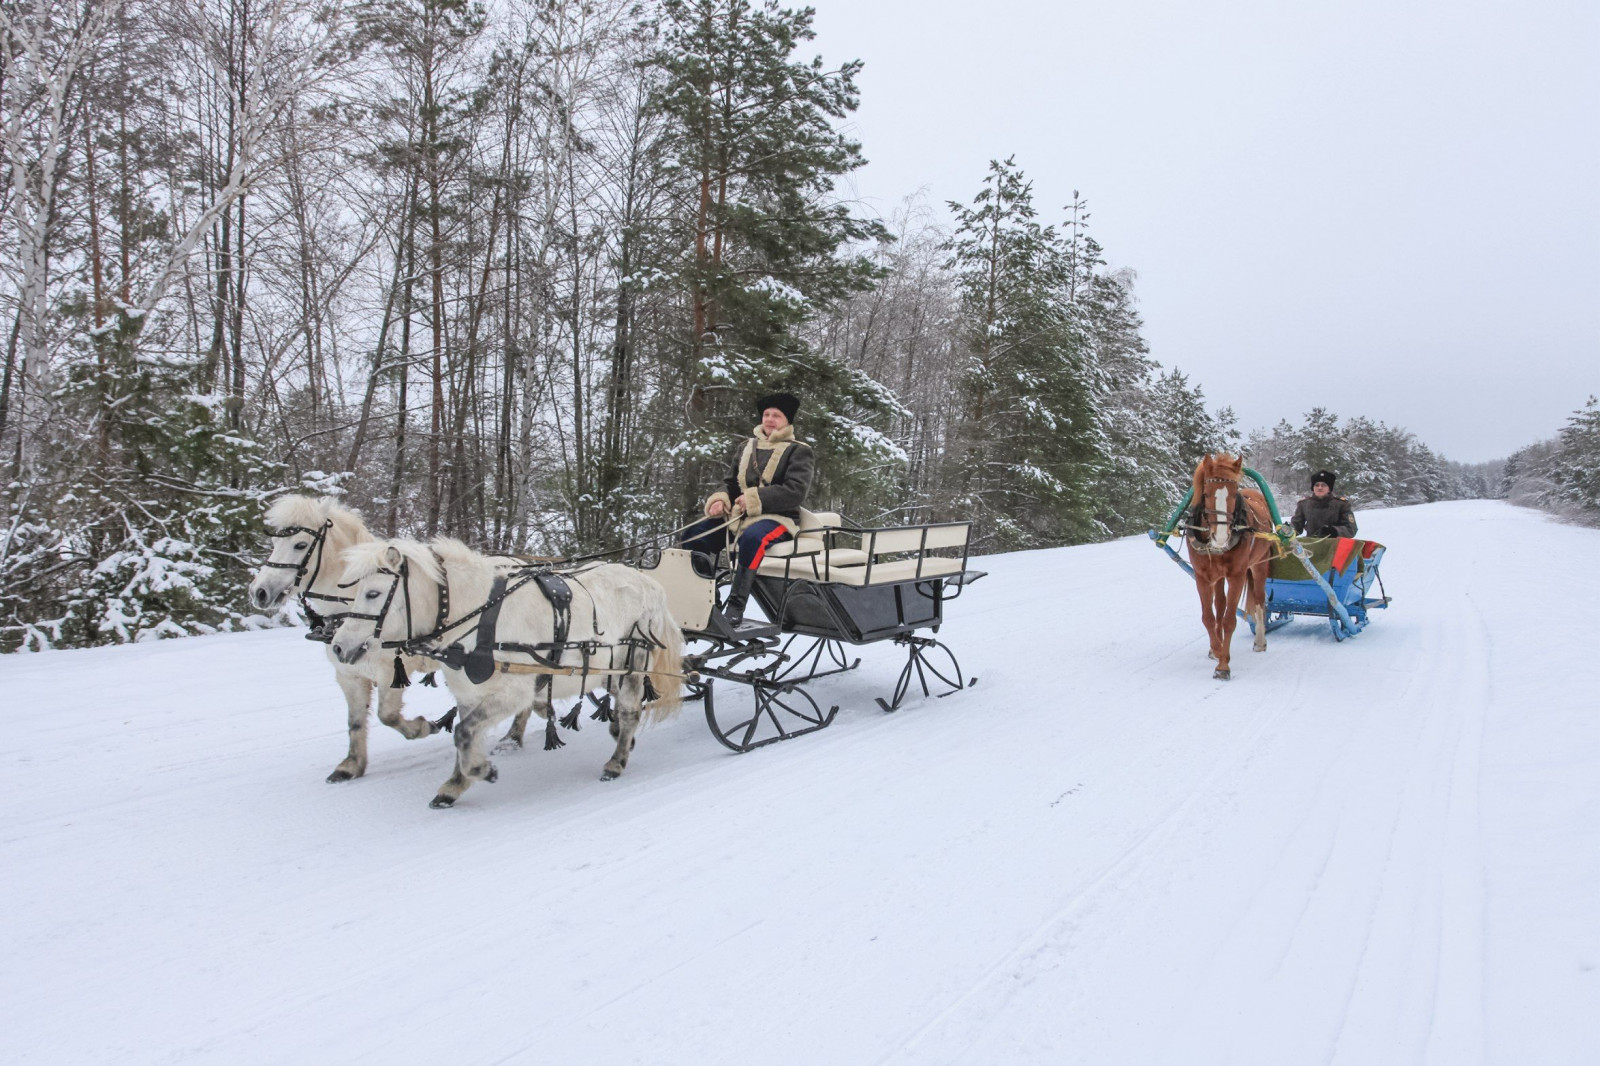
{"x":1228,"y":558}
{"x":1220,"y":512}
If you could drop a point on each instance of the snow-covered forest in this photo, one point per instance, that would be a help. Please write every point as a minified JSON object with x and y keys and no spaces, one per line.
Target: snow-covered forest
{"x":512,"y":272}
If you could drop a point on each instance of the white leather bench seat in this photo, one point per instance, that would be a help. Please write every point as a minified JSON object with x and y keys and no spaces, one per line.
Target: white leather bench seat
{"x":811,"y":539}
{"x":808,"y":558}
{"x":849,"y":567}
{"x":804,"y":545}
{"x":901,"y":570}
{"x":815,"y":567}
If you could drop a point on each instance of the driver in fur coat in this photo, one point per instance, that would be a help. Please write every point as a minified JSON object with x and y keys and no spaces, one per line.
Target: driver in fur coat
{"x":768,"y":478}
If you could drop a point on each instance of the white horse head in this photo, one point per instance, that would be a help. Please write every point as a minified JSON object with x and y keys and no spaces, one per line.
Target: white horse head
{"x":393,"y":587}
{"x":308,"y":536}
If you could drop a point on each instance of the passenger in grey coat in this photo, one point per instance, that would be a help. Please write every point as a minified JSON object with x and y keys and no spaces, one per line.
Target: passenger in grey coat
{"x":1322,"y":514}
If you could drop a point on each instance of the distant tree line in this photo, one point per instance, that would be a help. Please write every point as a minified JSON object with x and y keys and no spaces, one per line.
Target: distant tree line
{"x":1561,"y":475}
{"x":511,"y":273}
{"x":1377,"y":465}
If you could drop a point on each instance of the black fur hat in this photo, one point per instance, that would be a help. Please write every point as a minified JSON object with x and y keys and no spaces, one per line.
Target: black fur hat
{"x":783,"y":401}
{"x":1324,"y":476}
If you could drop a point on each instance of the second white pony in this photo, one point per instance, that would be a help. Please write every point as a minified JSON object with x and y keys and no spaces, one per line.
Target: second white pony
{"x":619,"y":631}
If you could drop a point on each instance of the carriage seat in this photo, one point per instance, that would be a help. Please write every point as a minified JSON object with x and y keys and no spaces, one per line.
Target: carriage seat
{"x":877,"y":562}
{"x":811,"y":540}
{"x":1341,"y":556}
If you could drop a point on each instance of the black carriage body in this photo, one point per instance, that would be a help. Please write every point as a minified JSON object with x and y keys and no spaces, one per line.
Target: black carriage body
{"x":854,"y":614}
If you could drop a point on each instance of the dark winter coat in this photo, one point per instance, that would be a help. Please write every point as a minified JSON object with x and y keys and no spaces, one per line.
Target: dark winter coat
{"x":1329,"y":516}
{"x":772,"y":474}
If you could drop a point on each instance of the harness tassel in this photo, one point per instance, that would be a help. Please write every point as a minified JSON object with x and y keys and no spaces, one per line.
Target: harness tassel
{"x":570,"y":719}
{"x":429,"y":680}
{"x":446,"y":722}
{"x":552,"y":739}
{"x":602,"y":708}
{"x":650,"y":693}
{"x":400,"y":678}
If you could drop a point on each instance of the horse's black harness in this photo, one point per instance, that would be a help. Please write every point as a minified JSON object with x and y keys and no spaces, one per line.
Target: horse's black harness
{"x":479,"y":662}
{"x":322,"y":626}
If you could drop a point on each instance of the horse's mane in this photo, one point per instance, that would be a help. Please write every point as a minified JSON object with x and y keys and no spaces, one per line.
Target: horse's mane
{"x":312,"y":511}
{"x":453,"y":551}
{"x":364,"y":559}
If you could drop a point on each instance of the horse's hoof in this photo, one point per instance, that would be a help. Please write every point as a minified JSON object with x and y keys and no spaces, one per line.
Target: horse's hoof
{"x":340,"y":775}
{"x":609,"y":774}
{"x":439,"y":803}
{"x":1221,"y":674}
{"x":492,"y":776}
{"x":507,"y":745}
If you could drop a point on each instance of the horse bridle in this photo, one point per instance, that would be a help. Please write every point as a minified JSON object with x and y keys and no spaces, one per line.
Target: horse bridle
{"x":319,"y":538}
{"x":1238,"y":519}
{"x":402,"y":582}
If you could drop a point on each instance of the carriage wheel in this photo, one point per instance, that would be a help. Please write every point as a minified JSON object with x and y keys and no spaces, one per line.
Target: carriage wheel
{"x":748,"y":715}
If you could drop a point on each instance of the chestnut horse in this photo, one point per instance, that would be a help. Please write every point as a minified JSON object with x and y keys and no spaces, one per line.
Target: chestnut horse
{"x":1227,"y":556}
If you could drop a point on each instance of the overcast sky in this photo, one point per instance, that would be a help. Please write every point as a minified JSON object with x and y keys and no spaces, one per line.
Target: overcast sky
{"x":1389,"y":209}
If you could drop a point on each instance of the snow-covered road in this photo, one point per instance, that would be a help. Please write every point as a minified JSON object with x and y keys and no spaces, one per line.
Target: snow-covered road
{"x":1381,"y":851}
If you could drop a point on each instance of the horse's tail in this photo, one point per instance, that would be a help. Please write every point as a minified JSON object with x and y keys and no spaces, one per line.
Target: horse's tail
{"x":666,"y":660}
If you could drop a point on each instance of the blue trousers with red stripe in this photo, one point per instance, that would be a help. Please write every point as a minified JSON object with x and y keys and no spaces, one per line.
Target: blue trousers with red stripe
{"x":754,"y":541}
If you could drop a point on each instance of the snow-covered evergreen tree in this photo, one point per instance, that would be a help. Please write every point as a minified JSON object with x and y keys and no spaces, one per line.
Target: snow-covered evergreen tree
{"x":765,"y":240}
{"x":1029,"y":439}
{"x":1141,"y":475}
{"x":152,"y":533}
{"x":1376,"y":464}
{"x":1561,"y":475}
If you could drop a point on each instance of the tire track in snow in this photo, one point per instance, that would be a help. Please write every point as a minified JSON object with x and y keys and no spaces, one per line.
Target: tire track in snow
{"x":1024,"y":955}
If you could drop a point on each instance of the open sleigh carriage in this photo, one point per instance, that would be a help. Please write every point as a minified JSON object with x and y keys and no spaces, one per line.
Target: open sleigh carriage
{"x":513,"y":635}
{"x":833,"y":588}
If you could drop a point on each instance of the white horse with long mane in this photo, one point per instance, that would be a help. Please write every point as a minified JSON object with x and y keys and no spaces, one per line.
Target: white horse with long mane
{"x":309,"y":537}
{"x":618,"y":629}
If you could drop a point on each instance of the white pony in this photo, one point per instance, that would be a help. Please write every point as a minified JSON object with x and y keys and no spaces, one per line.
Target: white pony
{"x":309,"y":536}
{"x":634,"y":644}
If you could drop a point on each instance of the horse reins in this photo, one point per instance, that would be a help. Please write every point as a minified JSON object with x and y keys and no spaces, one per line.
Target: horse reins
{"x":655,"y":541}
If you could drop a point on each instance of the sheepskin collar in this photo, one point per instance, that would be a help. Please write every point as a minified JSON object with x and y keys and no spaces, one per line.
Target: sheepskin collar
{"x":777,"y":436}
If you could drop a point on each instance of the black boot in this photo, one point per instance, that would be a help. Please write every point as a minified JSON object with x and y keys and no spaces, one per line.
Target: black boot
{"x":738,"y":596}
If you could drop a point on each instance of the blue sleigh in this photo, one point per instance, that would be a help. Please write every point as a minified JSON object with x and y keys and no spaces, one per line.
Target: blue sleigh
{"x":1323,"y":577}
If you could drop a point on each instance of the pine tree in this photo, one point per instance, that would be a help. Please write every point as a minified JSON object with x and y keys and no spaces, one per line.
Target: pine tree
{"x":1575,"y":469}
{"x":1141,"y":475}
{"x":1029,"y":437}
{"x":1195,"y":429}
{"x":765,"y":242}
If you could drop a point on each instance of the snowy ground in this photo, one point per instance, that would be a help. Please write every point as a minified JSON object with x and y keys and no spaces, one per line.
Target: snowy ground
{"x":1382,"y":851}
